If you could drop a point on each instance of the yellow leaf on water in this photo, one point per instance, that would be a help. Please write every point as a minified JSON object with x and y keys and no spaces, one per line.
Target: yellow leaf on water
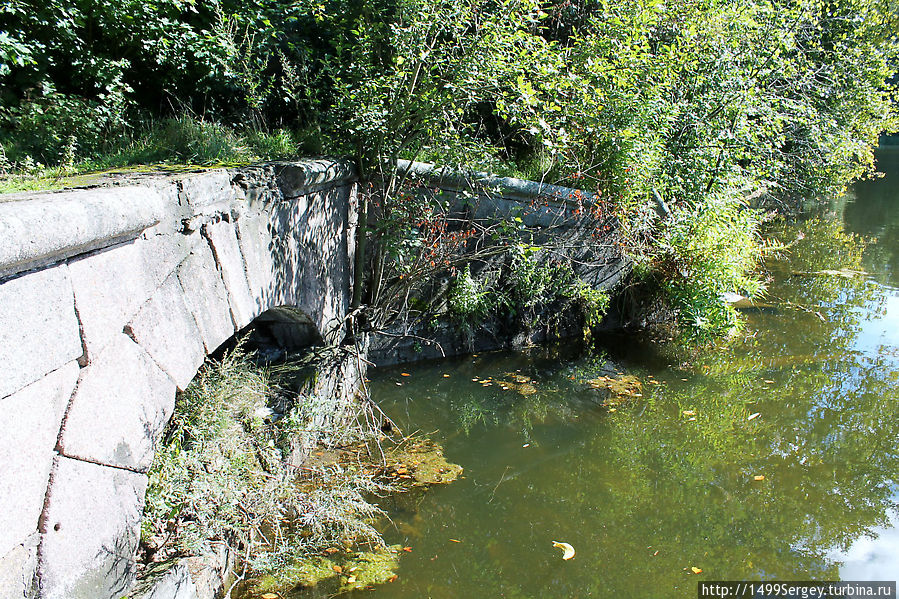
{"x":696,"y":570}
{"x":567,"y":550}
{"x":405,"y":374}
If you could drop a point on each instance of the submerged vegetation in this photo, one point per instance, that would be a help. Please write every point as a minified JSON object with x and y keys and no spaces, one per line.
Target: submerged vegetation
{"x":677,"y":117}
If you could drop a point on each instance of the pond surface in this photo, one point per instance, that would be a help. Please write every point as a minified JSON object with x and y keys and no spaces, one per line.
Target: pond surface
{"x":773,"y":456}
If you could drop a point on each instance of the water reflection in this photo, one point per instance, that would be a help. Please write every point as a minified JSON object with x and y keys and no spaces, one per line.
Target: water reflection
{"x":770,"y":456}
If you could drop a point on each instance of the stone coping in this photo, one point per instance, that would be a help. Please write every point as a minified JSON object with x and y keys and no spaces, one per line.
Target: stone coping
{"x":49,"y":228}
{"x":43,"y":228}
{"x":509,"y":188}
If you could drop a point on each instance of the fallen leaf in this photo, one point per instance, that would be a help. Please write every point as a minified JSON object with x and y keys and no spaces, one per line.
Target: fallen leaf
{"x":696,"y":570}
{"x":331,"y":550}
{"x":268,"y":596}
{"x":455,"y":540}
{"x":767,"y":382}
{"x":754,"y":416}
{"x":446,"y":376}
{"x":405,"y":374}
{"x":351,"y":580}
{"x":656,"y":553}
{"x":407,"y":549}
{"x":567,"y":550}
{"x":759,"y":477}
{"x":689,"y":412}
{"x":392,"y":578}
{"x":337,"y":569}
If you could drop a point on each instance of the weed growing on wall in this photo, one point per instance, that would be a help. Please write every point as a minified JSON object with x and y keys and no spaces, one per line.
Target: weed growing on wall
{"x":223,"y":473}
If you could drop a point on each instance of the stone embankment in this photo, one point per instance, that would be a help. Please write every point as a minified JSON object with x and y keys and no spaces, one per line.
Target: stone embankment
{"x":112,"y":297}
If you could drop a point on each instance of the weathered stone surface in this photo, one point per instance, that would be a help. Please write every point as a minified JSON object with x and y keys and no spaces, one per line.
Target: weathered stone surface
{"x":28,"y":430}
{"x":109,"y":287}
{"x":165,"y":328}
{"x":307,"y":176}
{"x":212,"y":570}
{"x":206,"y":297}
{"x":17,"y":569}
{"x":91,"y":530}
{"x":258,"y":249}
{"x":38,"y":327}
{"x":167,"y":580}
{"x":209,"y":188}
{"x":223,"y":239}
{"x":165,"y":250}
{"x":51,"y":227}
{"x":122,"y":404}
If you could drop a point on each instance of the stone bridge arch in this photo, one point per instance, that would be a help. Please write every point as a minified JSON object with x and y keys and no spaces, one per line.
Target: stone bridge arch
{"x":110,"y":300}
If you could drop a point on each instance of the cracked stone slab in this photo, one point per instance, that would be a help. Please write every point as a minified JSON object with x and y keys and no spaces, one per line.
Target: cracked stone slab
{"x":110,"y":287}
{"x":257,"y":246}
{"x":223,"y":239}
{"x":38,"y":327}
{"x":91,"y":529}
{"x":206,"y":297}
{"x":120,"y":409}
{"x":165,"y":328}
{"x":28,"y":431}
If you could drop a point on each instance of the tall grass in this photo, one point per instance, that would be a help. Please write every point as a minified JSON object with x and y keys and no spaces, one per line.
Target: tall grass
{"x":222,"y":473}
{"x":184,"y":140}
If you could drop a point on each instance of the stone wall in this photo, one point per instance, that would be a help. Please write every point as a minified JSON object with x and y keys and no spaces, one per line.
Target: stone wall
{"x":110,"y":300}
{"x":112,"y":297}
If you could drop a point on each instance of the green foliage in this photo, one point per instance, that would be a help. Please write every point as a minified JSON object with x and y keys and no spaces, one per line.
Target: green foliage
{"x":699,"y":254}
{"x":468,"y":300}
{"x":641,"y":102}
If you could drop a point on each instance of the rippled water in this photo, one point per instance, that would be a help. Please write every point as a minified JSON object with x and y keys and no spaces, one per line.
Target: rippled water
{"x":673,"y":479}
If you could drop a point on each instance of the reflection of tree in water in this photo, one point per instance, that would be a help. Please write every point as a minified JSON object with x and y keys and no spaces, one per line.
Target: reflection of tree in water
{"x":674,"y":472}
{"x":655,"y":477}
{"x":872,"y":211}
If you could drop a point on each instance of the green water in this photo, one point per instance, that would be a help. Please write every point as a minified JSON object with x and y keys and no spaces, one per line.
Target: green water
{"x":668,"y":482}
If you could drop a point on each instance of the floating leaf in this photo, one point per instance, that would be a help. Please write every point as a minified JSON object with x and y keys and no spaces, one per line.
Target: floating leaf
{"x":405,"y":374}
{"x":567,"y":550}
{"x":407,"y":549}
{"x":696,"y":570}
